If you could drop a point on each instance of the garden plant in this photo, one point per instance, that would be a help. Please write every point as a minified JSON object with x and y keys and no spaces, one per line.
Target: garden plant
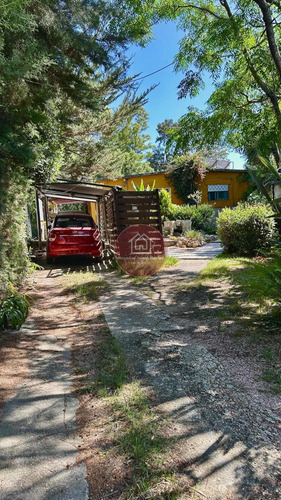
{"x":247,"y":229}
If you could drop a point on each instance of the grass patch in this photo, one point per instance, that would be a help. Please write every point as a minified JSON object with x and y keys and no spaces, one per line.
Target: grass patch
{"x":269,"y":353}
{"x":111,"y":366}
{"x":88,"y":286}
{"x":142,"y":440}
{"x":169,"y":262}
{"x":273,"y":376}
{"x":221,"y":267}
{"x":258,"y":280}
{"x":136,"y":428}
{"x":252,"y":302}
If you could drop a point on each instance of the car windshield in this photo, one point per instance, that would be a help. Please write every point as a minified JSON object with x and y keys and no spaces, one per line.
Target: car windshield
{"x":73,"y":221}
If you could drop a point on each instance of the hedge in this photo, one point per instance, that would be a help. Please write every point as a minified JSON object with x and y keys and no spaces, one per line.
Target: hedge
{"x":247,"y":229}
{"x":202,"y":217}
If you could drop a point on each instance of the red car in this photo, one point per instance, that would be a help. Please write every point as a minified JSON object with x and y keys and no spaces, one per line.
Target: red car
{"x":73,"y":234}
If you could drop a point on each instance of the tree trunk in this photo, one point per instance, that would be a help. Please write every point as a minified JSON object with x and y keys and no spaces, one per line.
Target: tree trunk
{"x":268,"y":21}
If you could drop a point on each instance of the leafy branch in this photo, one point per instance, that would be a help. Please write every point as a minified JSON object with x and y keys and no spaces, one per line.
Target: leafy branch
{"x":202,"y":9}
{"x":262,"y":184}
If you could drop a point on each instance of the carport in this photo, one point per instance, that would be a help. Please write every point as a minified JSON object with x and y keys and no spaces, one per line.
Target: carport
{"x":113,"y":209}
{"x":66,"y":191}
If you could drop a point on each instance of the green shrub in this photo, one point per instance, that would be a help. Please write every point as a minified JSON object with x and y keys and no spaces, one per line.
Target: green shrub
{"x":72,"y":207}
{"x":203,"y":218}
{"x":13,"y":311}
{"x":191,"y":239}
{"x":180,"y":212}
{"x":193,"y":234}
{"x":13,"y":246}
{"x":165,"y":203}
{"x":247,"y":229}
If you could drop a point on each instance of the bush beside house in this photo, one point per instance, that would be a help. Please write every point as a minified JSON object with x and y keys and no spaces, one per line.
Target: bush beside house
{"x":202,"y":217}
{"x":247,"y":229}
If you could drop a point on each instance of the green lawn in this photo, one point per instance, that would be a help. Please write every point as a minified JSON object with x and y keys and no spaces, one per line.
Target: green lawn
{"x":253,"y":301}
{"x":258,"y":278}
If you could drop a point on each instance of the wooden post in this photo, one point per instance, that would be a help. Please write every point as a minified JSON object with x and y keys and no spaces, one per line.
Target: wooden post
{"x":158,"y":211}
{"x":99,"y":214}
{"x":38,"y":220}
{"x":46,"y":210}
{"x":105,"y":219}
{"x":116,"y":211}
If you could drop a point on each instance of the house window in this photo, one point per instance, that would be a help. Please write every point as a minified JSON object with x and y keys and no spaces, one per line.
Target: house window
{"x":218,"y":192}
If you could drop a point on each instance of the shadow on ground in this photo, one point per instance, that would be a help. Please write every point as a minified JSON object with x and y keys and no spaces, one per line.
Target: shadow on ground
{"x":218,"y":441}
{"x":74,"y":264}
{"x":227,"y":437}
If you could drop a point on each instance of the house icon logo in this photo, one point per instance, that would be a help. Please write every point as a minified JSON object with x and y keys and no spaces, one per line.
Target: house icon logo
{"x":141,"y":245}
{"x":139,"y":250}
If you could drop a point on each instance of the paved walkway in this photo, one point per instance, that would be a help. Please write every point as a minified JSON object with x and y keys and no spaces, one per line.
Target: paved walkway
{"x":208,"y":251}
{"x":38,"y":445}
{"x":140,"y":326}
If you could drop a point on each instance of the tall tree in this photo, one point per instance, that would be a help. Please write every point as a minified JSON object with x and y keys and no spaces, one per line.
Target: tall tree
{"x":55,"y":57}
{"x":237,"y":43}
{"x":161,"y":155}
{"x":108,"y":144}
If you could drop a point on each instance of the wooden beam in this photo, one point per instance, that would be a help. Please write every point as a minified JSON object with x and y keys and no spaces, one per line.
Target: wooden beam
{"x":38,"y":220}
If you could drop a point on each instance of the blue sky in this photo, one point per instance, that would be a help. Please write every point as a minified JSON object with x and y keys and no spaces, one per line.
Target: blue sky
{"x":163,"y":102}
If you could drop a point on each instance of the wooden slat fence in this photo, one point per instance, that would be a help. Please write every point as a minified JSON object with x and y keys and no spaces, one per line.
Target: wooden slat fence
{"x":107,"y":220}
{"x":121,"y":209}
{"x":137,"y":207}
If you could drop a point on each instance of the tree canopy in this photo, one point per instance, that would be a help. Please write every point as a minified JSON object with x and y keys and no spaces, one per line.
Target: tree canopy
{"x":59,"y":61}
{"x":63,"y":64}
{"x":237,"y":44}
{"x":162,"y":155}
{"x":109,"y":143}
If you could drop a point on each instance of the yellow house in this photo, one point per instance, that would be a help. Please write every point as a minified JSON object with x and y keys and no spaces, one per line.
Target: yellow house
{"x":220,"y":187}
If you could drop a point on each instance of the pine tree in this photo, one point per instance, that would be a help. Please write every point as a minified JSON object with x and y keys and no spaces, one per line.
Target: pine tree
{"x":60,"y":61}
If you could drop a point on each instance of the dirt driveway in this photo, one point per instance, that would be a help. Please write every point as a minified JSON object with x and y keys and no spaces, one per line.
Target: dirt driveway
{"x":205,"y":378}
{"x":222,"y":433}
